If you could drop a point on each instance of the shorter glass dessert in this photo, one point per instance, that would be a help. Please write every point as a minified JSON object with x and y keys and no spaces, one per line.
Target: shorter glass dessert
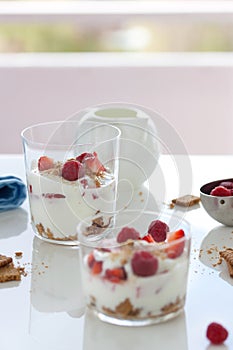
{"x":135,"y":266}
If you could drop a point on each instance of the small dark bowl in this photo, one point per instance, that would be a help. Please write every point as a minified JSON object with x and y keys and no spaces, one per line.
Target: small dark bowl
{"x":218,"y":207}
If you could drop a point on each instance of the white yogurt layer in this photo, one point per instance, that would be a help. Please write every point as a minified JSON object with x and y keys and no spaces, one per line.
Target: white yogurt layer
{"x":150,"y":295}
{"x":58,"y":205}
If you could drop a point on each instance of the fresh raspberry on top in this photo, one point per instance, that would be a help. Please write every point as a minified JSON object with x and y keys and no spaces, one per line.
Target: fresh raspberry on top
{"x":227,"y":184}
{"x":127,"y":233}
{"x":72,"y":170}
{"x":158,"y":230}
{"x":45,"y":163}
{"x":144,"y":264}
{"x":174,"y":250}
{"x":221,"y":191}
{"x":216,"y":333}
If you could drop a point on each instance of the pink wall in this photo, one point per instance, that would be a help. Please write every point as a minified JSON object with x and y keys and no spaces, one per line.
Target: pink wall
{"x":197,"y":101}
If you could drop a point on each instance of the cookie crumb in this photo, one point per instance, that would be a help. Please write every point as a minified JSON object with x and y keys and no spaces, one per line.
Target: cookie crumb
{"x":124,"y":309}
{"x":18,"y":254}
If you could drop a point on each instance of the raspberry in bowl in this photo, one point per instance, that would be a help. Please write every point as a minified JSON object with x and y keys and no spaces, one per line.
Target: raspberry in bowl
{"x":130,"y":276}
{"x":217,"y":200}
{"x":72,"y":172}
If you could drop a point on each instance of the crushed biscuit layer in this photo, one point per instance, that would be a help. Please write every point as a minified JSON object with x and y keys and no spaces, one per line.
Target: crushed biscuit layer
{"x":47,"y":233}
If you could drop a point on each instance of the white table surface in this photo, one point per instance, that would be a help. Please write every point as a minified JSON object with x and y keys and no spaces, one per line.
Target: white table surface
{"x":43,"y":310}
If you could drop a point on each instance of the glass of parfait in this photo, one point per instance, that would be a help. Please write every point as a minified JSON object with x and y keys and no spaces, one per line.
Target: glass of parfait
{"x":72,"y":171}
{"x":134,"y":266}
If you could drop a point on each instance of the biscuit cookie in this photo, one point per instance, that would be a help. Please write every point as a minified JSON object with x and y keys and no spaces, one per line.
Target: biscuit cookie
{"x":227,"y":255}
{"x":5,"y":260}
{"x":9,"y":273}
{"x":186,"y":201}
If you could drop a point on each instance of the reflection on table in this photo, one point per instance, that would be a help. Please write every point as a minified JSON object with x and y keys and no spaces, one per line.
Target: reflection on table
{"x":56,"y":293}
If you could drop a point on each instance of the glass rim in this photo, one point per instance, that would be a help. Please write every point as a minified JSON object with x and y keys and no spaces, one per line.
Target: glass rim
{"x":96,"y":243}
{"x":59,"y":123}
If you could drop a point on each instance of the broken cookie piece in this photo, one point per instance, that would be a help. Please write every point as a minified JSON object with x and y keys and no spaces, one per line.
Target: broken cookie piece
{"x":9,"y":273}
{"x":98,"y":226}
{"x":186,"y":201}
{"x":5,"y":260}
{"x":227,"y":255}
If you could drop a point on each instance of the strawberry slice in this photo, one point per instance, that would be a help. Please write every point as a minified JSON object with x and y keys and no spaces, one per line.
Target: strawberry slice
{"x":116,"y":275}
{"x":174,"y":250}
{"x":96,"y":267}
{"x":93,"y":163}
{"x":53,"y":195}
{"x":90,"y":260}
{"x":82,"y":157}
{"x":148,"y":238}
{"x":45,"y":163}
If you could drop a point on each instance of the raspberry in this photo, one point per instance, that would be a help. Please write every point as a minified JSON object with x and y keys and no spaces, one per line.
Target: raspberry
{"x":158,"y":230}
{"x":221,"y":191}
{"x":45,"y":163}
{"x":127,"y":233}
{"x":216,"y":333}
{"x":71,"y":170}
{"x":144,"y":264}
{"x":227,"y":184}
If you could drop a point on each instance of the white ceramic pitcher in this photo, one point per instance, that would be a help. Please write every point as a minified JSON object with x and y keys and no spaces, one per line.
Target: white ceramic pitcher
{"x":139,"y":146}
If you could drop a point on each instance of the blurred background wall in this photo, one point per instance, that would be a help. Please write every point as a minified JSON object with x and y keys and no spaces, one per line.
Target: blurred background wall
{"x":173,"y":57}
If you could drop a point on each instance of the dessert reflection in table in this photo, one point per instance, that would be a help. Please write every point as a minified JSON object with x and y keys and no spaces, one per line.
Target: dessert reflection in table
{"x":56,"y":293}
{"x":115,"y":337}
{"x":218,"y":239}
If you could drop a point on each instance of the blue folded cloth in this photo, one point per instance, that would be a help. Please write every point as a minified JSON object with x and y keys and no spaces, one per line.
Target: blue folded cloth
{"x":12,"y":192}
